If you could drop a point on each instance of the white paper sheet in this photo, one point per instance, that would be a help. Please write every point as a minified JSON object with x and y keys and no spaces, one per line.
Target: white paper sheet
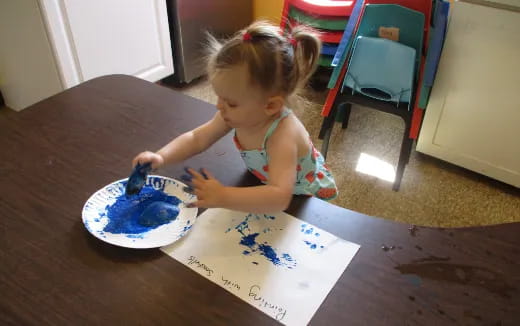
{"x":277,"y":263}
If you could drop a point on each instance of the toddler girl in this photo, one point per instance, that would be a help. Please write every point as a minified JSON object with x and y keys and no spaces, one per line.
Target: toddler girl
{"x":254,"y":74}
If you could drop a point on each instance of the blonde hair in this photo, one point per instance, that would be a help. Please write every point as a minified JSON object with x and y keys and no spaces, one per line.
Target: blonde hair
{"x":279,"y":63}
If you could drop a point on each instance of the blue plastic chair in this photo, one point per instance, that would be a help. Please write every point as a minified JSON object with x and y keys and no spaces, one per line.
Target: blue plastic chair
{"x":381,"y":69}
{"x":410,"y":24}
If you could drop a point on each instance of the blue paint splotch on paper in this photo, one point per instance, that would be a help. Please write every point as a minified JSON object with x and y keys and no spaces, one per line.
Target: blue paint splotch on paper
{"x":309,"y":231}
{"x":249,"y":240}
{"x":124,"y":213}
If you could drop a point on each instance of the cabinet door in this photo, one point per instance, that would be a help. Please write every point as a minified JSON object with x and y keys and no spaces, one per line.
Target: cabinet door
{"x":473,"y":116}
{"x":99,"y":37}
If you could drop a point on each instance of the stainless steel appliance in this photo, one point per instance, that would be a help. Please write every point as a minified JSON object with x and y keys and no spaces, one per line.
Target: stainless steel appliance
{"x":190,"y":19}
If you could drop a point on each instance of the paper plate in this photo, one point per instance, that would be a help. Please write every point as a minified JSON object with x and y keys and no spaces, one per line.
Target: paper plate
{"x":95,"y":215}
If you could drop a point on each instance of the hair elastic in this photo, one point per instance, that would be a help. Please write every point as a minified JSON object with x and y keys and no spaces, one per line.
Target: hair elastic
{"x":246,"y":37}
{"x":293,"y":42}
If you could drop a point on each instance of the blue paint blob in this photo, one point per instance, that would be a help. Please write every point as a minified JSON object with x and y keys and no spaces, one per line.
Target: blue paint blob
{"x":287,"y":257}
{"x":124,"y":213}
{"x":158,"y":213}
{"x":322,"y":247}
{"x":311,"y":245}
{"x":317,"y":234}
{"x":249,"y":240}
{"x":309,"y":231}
{"x":269,"y":253}
{"x":414,"y":279}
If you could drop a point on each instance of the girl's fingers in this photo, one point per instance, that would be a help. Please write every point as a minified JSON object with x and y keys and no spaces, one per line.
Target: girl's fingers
{"x":208,"y":174}
{"x":195,"y":174}
{"x":197,"y":183}
{"x":186,"y":177}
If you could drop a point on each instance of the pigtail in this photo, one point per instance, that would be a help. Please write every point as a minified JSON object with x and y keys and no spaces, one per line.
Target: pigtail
{"x":307,"y":46}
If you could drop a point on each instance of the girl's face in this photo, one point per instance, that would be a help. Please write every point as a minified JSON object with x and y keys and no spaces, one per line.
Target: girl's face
{"x":240,"y":104}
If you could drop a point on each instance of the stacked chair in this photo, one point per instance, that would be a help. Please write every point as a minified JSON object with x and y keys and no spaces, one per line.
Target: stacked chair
{"x":329,"y":17}
{"x":380,"y":64}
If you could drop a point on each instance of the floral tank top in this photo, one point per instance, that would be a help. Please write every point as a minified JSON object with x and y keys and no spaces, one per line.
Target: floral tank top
{"x":313,"y":177}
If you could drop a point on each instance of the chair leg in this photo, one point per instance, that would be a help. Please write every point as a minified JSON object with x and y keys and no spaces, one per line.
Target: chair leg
{"x":346,"y":115}
{"x":404,"y":156}
{"x":325,"y":144}
{"x":328,"y":123}
{"x":326,"y":130}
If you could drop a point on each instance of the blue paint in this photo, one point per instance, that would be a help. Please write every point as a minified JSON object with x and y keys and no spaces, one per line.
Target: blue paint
{"x":414,"y":279}
{"x":137,"y":179}
{"x":311,"y":245}
{"x":322,"y":247}
{"x":135,"y":236}
{"x":287,"y":257}
{"x":269,"y":253}
{"x":249,"y":240}
{"x":158,"y":213}
{"x":309,"y":231}
{"x":317,"y":234}
{"x":124,"y":213}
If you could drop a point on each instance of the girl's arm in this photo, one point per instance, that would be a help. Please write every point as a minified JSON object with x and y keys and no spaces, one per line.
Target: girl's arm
{"x":187,"y":144}
{"x":275,"y":196}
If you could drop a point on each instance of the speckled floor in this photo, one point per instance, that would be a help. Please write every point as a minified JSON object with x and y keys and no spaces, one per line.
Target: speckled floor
{"x":433,"y":193}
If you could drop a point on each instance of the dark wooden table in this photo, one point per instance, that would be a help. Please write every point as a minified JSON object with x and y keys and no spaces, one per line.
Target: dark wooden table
{"x":58,"y":152}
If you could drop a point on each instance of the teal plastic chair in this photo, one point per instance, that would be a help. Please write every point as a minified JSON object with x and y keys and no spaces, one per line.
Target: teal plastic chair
{"x":410,"y":24}
{"x":381,"y":69}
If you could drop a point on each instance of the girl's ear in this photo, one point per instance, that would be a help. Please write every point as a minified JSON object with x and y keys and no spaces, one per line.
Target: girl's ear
{"x":274,"y":105}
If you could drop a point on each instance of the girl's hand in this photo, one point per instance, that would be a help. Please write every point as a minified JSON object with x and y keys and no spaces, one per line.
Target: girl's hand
{"x":209,"y":191}
{"x":145,"y":157}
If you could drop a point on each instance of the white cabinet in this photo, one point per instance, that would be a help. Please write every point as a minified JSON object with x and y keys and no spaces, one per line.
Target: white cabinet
{"x":473,"y":116}
{"x":51,"y":45}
